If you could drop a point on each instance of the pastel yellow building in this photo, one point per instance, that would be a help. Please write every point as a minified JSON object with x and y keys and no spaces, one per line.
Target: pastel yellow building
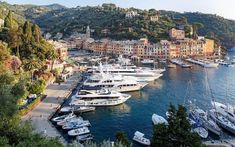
{"x":208,"y":47}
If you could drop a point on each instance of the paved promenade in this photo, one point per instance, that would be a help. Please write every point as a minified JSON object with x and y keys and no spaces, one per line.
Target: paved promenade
{"x":55,"y":97}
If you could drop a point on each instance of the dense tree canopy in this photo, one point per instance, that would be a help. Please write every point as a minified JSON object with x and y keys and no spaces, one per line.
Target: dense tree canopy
{"x":177,"y":132}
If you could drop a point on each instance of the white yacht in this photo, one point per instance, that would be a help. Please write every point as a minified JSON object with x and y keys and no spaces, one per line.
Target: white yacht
{"x":139,"y":137}
{"x":99,"y":98}
{"x":141,"y":73}
{"x":112,"y":82}
{"x":147,"y":61}
{"x":157,"y":119}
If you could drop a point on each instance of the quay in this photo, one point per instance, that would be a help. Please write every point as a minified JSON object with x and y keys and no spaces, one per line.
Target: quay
{"x":56,"y":94}
{"x":203,"y":63}
{"x":220,"y":143}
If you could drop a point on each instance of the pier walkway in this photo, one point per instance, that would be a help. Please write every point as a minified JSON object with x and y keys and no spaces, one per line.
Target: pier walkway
{"x":55,"y":97}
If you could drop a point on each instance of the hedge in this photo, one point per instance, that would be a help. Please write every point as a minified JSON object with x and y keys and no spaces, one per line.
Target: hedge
{"x":32,"y":105}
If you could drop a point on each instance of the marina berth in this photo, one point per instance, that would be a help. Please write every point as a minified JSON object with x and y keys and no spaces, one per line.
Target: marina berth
{"x":99,"y":98}
{"x":112,"y":82}
{"x":139,"y":137}
{"x":157,"y":119}
{"x":79,"y":131}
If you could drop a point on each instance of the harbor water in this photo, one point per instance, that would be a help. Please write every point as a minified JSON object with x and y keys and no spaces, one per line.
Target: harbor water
{"x":173,"y":88}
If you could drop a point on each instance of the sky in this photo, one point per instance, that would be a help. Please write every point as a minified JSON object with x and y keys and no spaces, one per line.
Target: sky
{"x":223,"y":8}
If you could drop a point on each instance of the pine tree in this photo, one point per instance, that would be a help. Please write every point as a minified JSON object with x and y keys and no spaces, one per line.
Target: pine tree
{"x":36,"y":33}
{"x":27,"y":30}
{"x":177,"y":132}
{"x":9,"y":22}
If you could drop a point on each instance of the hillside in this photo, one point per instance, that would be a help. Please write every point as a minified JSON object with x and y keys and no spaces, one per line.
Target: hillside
{"x":109,"y":21}
{"x":113,"y":19}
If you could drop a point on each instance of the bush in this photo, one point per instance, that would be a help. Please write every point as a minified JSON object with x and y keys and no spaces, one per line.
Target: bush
{"x":37,"y":87}
{"x":32,"y":105}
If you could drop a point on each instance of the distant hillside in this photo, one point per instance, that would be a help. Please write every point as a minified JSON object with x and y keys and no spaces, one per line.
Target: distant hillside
{"x":110,"y":21}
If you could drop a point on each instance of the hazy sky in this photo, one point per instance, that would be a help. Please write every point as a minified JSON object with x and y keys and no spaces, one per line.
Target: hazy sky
{"x":224,"y":8}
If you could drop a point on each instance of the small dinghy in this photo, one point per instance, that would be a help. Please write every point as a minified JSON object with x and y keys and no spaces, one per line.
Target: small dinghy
{"x":203,"y":133}
{"x":75,"y":119}
{"x":157,"y":119}
{"x":85,"y":137}
{"x":79,"y":131}
{"x":76,"y":109}
{"x":139,"y":137}
{"x":64,"y":117}
{"x":75,"y":125}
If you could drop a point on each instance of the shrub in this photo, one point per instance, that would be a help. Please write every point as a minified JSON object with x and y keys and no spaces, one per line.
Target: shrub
{"x":32,"y":105}
{"x":37,"y":87}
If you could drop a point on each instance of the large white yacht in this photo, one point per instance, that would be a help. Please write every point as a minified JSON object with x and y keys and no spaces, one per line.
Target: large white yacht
{"x":143,"y":74}
{"x":99,"y":98}
{"x":112,"y":82}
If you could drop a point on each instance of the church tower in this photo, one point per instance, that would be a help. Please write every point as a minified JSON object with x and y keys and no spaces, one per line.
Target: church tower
{"x":88,"y":32}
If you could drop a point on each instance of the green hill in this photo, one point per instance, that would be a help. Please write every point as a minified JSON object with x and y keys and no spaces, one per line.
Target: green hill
{"x":109,"y":21}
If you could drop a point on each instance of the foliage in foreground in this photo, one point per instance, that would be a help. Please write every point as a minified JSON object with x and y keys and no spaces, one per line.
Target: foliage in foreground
{"x":12,"y":131}
{"x":177,"y":132}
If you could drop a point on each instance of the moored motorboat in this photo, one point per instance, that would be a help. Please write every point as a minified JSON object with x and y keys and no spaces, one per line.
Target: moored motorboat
{"x":78,"y":131}
{"x":63,"y":122}
{"x":139,"y":137}
{"x":76,"y":109}
{"x":64,"y":117}
{"x":147,"y":61}
{"x":171,"y":66}
{"x":157,"y":119}
{"x":75,"y":125}
{"x":85,"y":137}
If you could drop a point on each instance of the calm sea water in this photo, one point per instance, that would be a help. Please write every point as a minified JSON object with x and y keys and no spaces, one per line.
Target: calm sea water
{"x":136,"y":113}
